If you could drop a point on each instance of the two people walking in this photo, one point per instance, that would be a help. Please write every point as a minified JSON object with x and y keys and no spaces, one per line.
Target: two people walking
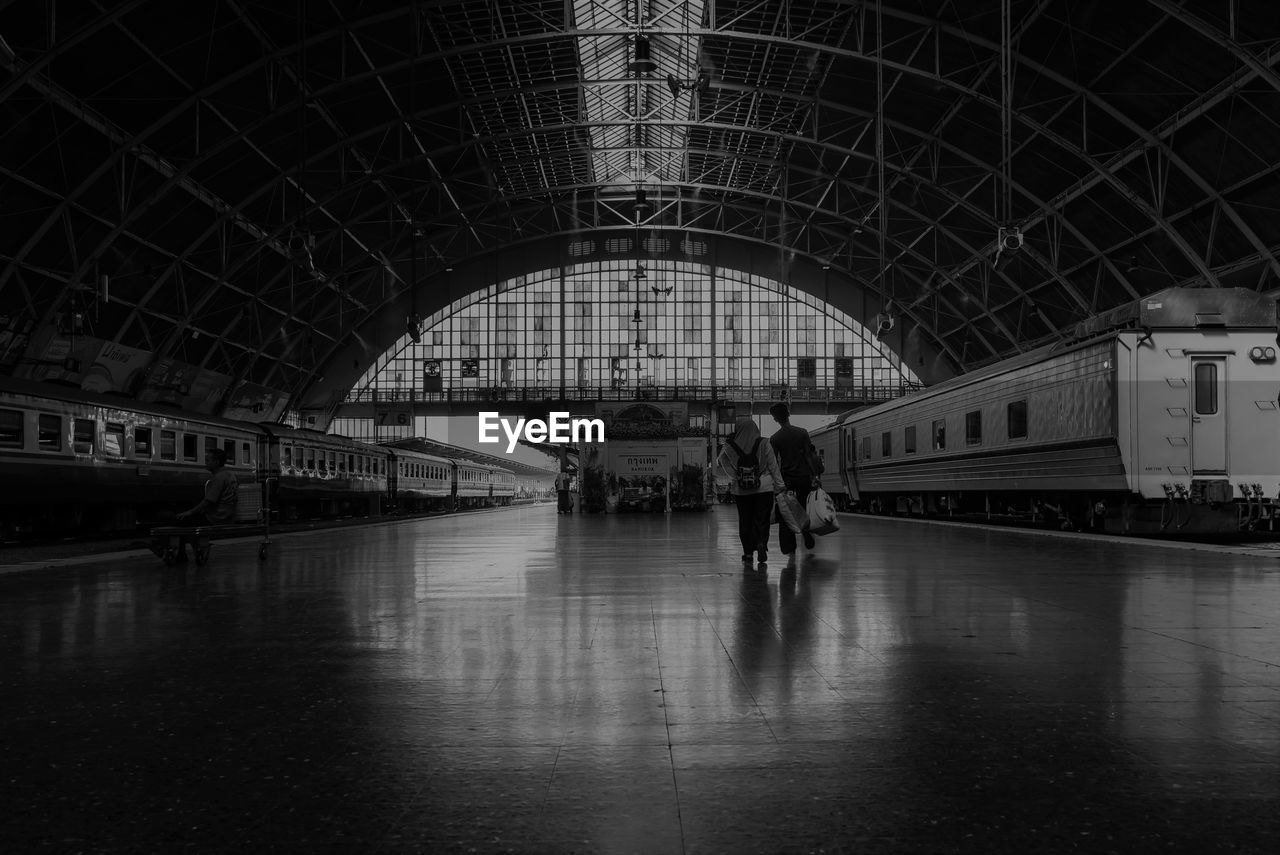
{"x":760,"y":470}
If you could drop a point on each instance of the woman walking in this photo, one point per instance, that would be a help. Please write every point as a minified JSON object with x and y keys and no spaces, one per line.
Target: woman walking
{"x":754,"y":479}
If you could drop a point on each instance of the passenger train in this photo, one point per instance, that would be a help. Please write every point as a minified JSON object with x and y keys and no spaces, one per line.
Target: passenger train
{"x":1160,"y":418}
{"x":75,"y":461}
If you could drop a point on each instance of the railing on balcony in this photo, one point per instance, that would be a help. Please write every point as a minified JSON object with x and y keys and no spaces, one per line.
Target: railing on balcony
{"x":815,"y":394}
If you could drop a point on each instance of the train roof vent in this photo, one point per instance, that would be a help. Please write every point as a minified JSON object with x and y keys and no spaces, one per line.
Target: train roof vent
{"x":1210,"y":319}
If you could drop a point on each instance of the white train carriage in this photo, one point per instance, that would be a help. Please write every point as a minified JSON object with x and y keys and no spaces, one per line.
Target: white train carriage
{"x":324,"y":475}
{"x":504,"y":485}
{"x":829,"y":449}
{"x":475,"y":483}
{"x":1160,"y":418}
{"x":420,"y":481}
{"x":79,"y":461}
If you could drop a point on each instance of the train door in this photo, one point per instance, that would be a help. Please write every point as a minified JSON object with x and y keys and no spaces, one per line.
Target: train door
{"x":1208,"y":415}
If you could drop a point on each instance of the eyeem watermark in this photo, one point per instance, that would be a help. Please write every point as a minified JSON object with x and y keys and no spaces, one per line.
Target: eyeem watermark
{"x":560,"y":430}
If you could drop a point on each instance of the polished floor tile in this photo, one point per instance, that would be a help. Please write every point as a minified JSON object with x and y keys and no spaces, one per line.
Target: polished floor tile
{"x":519,"y":681}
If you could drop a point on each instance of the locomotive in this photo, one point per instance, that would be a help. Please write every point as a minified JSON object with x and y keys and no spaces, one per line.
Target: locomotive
{"x":76,"y":461}
{"x":1161,"y":417}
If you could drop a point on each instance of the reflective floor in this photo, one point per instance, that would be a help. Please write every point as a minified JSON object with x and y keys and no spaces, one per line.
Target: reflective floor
{"x":522,"y":681}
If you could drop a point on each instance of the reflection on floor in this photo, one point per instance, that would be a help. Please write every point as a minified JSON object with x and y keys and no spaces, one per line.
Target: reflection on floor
{"x":523,"y":681}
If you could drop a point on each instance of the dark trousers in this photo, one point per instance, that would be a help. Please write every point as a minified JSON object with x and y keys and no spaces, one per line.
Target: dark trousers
{"x":787,"y":537}
{"x":753,"y":520}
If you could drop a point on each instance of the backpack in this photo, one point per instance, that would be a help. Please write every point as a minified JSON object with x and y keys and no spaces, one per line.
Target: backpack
{"x":748,"y":471}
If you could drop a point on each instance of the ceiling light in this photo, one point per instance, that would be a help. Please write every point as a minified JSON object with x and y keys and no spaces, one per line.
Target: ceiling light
{"x":643,"y":63}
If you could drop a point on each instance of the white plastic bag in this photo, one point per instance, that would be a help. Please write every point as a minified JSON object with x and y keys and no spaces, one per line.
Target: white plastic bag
{"x":821,"y":512}
{"x":790,"y":511}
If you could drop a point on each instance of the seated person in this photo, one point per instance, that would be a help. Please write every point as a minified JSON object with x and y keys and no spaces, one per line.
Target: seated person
{"x":218,"y":505}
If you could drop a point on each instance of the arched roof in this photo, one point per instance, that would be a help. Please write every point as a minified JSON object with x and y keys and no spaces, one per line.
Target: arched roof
{"x":270,"y":188}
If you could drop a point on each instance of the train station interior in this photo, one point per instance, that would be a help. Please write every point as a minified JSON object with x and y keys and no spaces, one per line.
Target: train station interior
{"x":311,"y":248}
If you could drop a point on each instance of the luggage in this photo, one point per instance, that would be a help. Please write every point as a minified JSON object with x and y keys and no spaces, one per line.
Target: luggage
{"x":821,"y":512}
{"x":790,"y":511}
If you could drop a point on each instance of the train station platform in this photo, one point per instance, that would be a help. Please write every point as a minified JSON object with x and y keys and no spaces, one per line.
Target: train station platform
{"x":521,"y":681}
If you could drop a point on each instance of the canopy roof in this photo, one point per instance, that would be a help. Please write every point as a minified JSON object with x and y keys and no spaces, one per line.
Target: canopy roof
{"x":270,"y":188}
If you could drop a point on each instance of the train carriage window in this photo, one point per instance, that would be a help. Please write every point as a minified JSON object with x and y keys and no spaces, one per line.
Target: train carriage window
{"x":311,"y":460}
{"x":142,"y":442}
{"x":973,"y":428}
{"x":10,"y":429}
{"x":333,"y":462}
{"x":940,"y":435}
{"x":288,"y":455}
{"x":113,"y":439}
{"x":210,"y":444}
{"x":342,"y":464}
{"x":886,"y":444}
{"x":1206,"y":389}
{"x":168,"y":445}
{"x":324,"y":463}
{"x":49,"y":434}
{"x":83,"y":436}
{"x":246,"y":454}
{"x":229,"y":449}
{"x":1017,"y":419}
{"x":909,"y":439}
{"x":359,"y":464}
{"x":190,"y":446}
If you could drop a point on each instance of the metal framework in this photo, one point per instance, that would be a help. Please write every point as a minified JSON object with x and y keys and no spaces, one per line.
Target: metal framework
{"x":240,"y":185}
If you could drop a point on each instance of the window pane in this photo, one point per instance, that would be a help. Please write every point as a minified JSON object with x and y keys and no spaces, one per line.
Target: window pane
{"x":10,"y":429}
{"x":886,"y":444}
{"x":940,"y":435}
{"x":168,"y":445}
{"x":973,"y":427}
{"x":142,"y":442}
{"x":1206,"y":389}
{"x":909,"y":439}
{"x":113,"y":439}
{"x":1017,"y":419}
{"x":190,"y":447}
{"x":50,"y":437}
{"x":84,"y":431}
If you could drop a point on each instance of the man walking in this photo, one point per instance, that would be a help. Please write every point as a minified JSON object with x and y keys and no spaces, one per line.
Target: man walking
{"x":799,"y":469}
